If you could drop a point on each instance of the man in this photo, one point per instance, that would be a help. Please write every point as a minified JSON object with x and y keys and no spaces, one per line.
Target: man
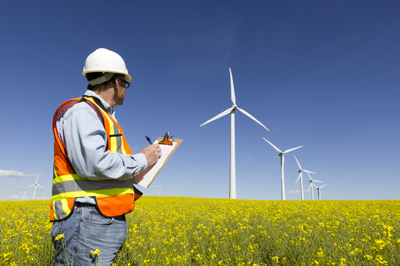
{"x":94,"y":167}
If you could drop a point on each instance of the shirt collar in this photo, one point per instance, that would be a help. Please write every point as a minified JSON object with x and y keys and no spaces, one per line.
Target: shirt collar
{"x":106,"y":105}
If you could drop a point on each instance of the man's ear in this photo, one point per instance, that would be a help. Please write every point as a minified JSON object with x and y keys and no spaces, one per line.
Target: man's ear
{"x":115,"y":84}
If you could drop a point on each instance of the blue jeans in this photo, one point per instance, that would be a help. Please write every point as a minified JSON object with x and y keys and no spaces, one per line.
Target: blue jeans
{"x":89,"y":237}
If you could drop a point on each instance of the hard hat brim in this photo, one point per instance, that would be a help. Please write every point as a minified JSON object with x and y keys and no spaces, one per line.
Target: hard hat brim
{"x":127,"y":76}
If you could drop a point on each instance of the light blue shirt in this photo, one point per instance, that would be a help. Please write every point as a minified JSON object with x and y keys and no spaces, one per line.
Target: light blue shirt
{"x":85,"y":140}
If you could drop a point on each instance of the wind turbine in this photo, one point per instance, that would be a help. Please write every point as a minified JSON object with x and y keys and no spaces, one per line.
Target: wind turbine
{"x":282,"y":155}
{"x":231,"y":110}
{"x":22,"y":195}
{"x":35,"y":185}
{"x":312,"y":185}
{"x":301,"y":177}
{"x":319,"y":190}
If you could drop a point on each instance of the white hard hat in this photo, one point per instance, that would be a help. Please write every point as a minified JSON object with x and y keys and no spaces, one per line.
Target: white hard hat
{"x":106,"y":61}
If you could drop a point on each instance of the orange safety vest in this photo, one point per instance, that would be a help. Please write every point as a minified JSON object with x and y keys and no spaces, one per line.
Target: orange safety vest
{"x":113,"y":197}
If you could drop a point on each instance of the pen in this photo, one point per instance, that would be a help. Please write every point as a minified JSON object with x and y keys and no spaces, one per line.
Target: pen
{"x":148,"y":139}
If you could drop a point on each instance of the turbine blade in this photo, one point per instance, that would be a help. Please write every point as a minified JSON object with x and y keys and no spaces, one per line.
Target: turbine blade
{"x":40,"y":186}
{"x":228,"y":111}
{"x":318,"y":181}
{"x":309,"y":176}
{"x":276,"y":148}
{"x":289,"y":150}
{"x":233,"y":97}
{"x":309,"y":172}
{"x":298,"y":163}
{"x":252,"y":117}
{"x":322,"y":186}
{"x":298,"y":179}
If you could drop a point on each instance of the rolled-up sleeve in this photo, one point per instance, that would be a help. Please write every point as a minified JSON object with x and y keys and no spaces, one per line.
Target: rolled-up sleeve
{"x":86,"y":142}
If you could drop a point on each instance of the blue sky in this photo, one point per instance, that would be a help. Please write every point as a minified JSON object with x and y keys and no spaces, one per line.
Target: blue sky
{"x":322,"y":74}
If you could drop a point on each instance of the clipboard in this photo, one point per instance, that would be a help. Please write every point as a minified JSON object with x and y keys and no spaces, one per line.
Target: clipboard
{"x":166,"y":153}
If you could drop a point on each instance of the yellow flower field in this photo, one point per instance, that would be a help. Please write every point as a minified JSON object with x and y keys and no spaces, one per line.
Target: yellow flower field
{"x":192,"y":231}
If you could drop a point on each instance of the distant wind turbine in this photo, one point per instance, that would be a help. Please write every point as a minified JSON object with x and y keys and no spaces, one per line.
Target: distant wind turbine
{"x":282,"y":155}
{"x":231,"y":111}
{"x":312,"y":185}
{"x":35,"y":185}
{"x":23,"y":196}
{"x":301,"y":177}
{"x":319,"y":190}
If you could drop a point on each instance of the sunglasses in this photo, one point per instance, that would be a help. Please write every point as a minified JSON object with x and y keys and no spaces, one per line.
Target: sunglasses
{"x":127,"y":84}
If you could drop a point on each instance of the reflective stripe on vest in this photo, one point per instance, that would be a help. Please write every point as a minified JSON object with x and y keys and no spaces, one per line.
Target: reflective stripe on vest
{"x":67,"y":185}
{"x":88,"y":188}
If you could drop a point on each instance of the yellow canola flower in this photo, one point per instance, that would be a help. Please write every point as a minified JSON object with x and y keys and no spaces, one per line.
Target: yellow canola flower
{"x":95,"y":252}
{"x":355,"y":251}
{"x":379,"y":244}
{"x":379,"y":259}
{"x":275,"y":259}
{"x":59,"y":237}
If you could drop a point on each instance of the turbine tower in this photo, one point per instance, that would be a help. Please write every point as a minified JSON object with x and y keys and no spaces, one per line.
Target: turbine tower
{"x":301,"y":177}
{"x":231,"y":110}
{"x":282,"y":155}
{"x":35,"y":185}
{"x":312,"y":185}
{"x":319,"y":190}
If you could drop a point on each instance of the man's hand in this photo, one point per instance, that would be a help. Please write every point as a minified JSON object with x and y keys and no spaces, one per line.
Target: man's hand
{"x":152,"y":153}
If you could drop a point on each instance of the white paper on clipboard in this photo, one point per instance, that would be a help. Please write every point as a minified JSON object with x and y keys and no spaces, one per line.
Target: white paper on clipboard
{"x":166,"y":152}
